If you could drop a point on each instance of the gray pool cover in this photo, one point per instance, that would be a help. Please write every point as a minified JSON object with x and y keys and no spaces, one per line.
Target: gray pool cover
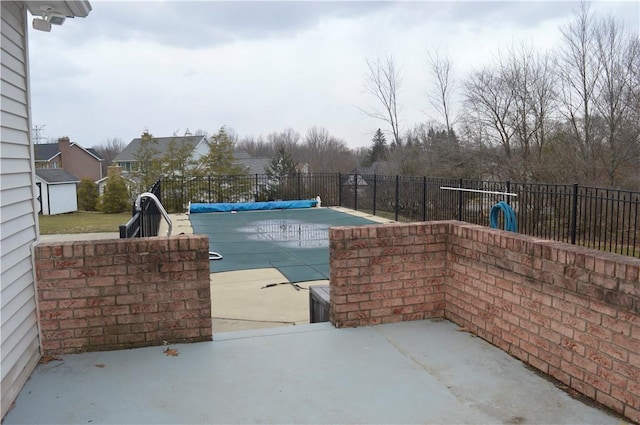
{"x":295,"y":242}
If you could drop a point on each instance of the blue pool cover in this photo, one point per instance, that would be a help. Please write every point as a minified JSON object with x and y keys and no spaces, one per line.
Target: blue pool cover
{"x":250,"y":206}
{"x":294,"y":241}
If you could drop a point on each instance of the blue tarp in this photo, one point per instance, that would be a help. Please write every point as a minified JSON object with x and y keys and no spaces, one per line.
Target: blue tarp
{"x":250,"y":206}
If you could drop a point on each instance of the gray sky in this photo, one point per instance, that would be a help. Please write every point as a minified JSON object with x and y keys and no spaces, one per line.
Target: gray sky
{"x":260,"y":67}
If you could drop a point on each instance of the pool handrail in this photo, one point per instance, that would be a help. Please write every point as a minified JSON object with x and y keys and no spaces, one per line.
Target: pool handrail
{"x":158,"y":204}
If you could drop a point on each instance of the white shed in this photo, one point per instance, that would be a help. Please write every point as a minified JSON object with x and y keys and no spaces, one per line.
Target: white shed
{"x":56,"y":191}
{"x":20,"y":349}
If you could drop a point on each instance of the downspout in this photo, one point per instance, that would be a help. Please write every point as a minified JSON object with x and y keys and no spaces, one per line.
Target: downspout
{"x":32,"y":156}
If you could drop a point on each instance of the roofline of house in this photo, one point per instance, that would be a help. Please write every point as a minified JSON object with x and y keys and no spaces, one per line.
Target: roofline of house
{"x":84,"y":149}
{"x":49,"y":182}
{"x":47,"y":160}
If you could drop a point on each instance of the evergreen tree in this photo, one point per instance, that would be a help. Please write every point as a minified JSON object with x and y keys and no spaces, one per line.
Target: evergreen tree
{"x":219,"y":161}
{"x":222,"y":172}
{"x":148,"y":165}
{"x":116,"y":195}
{"x":87,"y":195}
{"x":281,"y":167}
{"x":379,"y":149}
{"x":282,"y":164}
{"x":177,"y":160}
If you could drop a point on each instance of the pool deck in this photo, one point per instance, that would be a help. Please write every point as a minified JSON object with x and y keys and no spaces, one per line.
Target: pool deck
{"x":411,"y":372}
{"x":428,"y":371}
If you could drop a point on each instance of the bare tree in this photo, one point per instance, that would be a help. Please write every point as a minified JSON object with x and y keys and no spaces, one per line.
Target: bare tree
{"x":256,"y":147}
{"x":513,"y":104}
{"x":440,"y":94}
{"x":489,"y":101}
{"x":617,"y":139}
{"x":579,"y":71}
{"x":288,"y":139}
{"x":109,"y":150}
{"x":382,"y":81}
{"x":325,"y":153}
{"x":532,"y":84}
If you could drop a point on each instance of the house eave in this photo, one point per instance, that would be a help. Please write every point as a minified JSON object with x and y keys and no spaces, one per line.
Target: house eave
{"x":68,"y":8}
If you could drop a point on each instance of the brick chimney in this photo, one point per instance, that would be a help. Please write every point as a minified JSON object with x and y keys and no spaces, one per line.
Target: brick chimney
{"x":63,"y":146}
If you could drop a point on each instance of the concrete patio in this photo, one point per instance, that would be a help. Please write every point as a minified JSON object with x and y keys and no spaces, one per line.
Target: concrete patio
{"x":411,"y":372}
{"x":428,"y":371}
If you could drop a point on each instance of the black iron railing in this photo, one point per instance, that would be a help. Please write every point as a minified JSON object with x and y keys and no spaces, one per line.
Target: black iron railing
{"x":177,"y":193}
{"x":145,"y":219}
{"x":600,"y":218}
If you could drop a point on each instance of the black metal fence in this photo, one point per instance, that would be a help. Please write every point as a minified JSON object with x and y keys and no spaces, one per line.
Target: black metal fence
{"x":605,"y":219}
{"x":145,"y":221}
{"x":177,"y":193}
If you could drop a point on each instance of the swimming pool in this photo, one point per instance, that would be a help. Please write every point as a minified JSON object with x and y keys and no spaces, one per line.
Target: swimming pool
{"x":294,"y":241}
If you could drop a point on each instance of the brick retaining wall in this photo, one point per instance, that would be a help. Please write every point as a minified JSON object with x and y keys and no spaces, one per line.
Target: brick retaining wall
{"x":570,"y":312}
{"x":389,"y":273}
{"x":123,"y":293}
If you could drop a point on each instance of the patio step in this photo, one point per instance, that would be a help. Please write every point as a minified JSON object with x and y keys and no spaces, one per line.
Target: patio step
{"x":281,"y":330}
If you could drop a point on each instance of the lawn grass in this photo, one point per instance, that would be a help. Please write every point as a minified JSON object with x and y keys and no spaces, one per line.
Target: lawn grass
{"x":82,"y":222}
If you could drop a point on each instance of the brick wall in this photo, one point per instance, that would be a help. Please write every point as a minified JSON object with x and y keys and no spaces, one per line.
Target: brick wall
{"x":388,"y":273}
{"x":123,"y":293}
{"x":570,"y":312}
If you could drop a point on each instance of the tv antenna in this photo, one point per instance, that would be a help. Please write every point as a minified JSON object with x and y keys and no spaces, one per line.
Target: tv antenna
{"x":38,"y":133}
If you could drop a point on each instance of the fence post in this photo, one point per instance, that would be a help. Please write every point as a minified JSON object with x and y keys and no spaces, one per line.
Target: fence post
{"x":340,"y":189}
{"x":460,"y":201}
{"x":508,"y":191}
{"x":255,"y":193}
{"x":183,"y":198}
{"x":158,"y":191}
{"x":375,"y":187}
{"x":574,"y":214}
{"x":355,"y":191}
{"x":424,"y":198}
{"x":397,"y":194}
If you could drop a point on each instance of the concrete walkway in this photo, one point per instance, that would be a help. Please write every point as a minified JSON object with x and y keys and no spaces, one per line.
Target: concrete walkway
{"x":412,"y":372}
{"x":70,"y":237}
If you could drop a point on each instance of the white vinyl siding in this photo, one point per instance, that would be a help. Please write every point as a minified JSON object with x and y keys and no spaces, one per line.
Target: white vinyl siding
{"x":200,"y":150}
{"x":19,"y":330}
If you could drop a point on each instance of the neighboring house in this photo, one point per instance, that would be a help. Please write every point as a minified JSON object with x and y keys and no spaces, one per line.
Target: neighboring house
{"x":73,"y":158}
{"x":20,"y":349}
{"x":56,"y":191}
{"x":127,"y":159}
{"x":251,"y":165}
{"x":351,"y":182}
{"x":303,"y":168}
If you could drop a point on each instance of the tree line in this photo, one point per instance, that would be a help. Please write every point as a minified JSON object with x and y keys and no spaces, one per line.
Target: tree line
{"x":571,"y":114}
{"x":568,"y":115}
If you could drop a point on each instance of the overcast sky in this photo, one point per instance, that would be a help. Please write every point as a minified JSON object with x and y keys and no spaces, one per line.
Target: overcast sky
{"x":260,"y":67}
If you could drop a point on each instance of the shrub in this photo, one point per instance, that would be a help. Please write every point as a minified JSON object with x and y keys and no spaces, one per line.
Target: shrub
{"x":88,"y":195}
{"x":116,"y":196}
